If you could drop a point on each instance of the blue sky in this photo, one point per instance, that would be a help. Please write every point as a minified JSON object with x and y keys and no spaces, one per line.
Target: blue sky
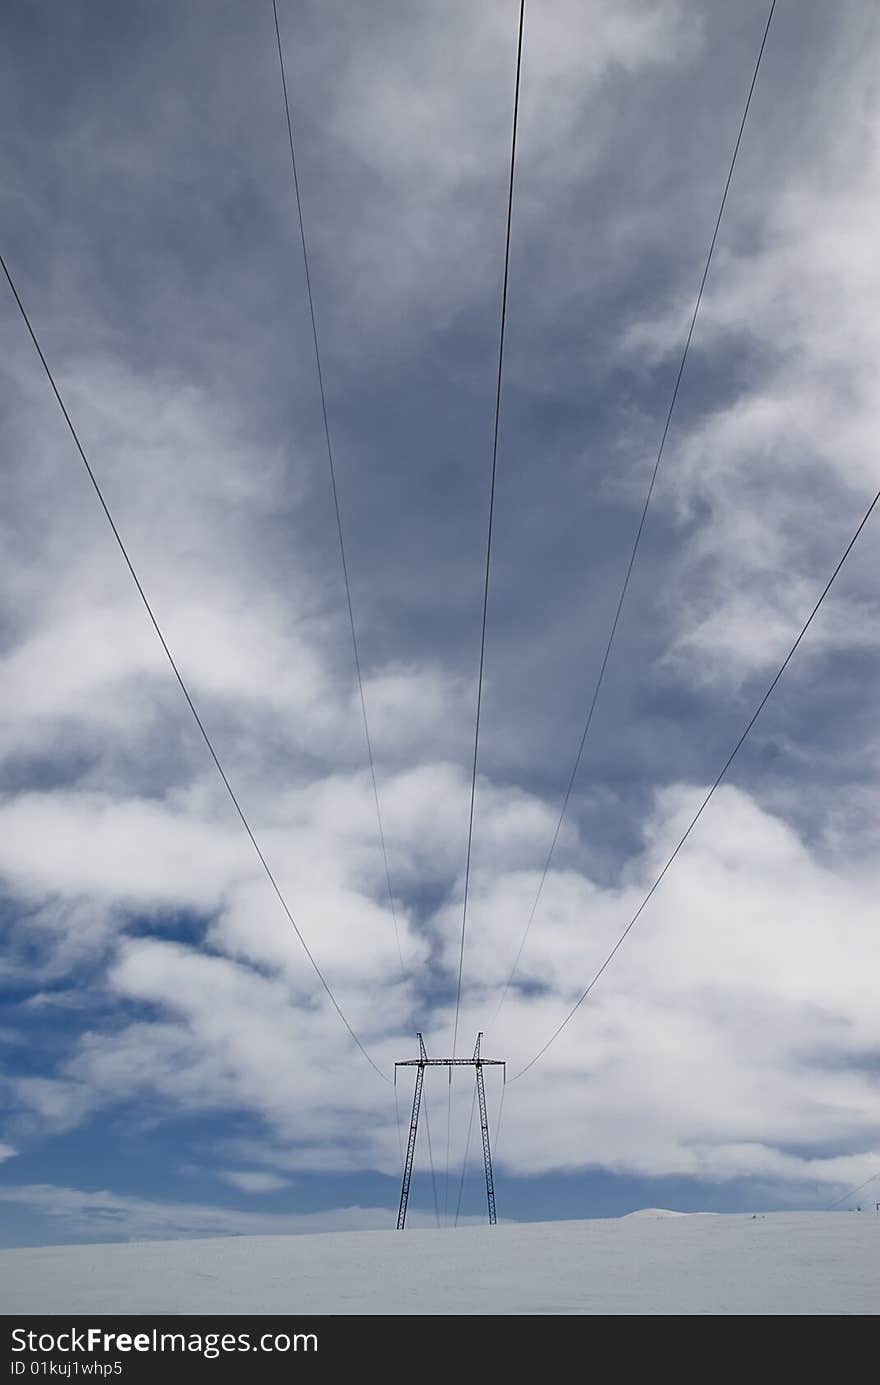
{"x":168,"y":1065}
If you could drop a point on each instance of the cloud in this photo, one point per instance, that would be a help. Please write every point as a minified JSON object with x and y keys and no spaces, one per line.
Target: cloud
{"x":779,"y":469}
{"x":741,"y":1003}
{"x":735,"y":1033}
{"x":432,"y":155}
{"x":744,"y":1003}
{"x":103,"y":1216}
{"x":253,"y":1180}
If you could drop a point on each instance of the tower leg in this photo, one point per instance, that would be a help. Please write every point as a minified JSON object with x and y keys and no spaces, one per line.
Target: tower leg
{"x":411,"y":1146}
{"x":487,"y":1153}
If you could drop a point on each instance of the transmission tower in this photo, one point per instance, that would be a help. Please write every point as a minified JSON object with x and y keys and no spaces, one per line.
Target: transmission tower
{"x":420,"y":1063}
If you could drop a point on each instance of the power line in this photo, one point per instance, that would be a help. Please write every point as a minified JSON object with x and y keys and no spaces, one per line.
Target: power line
{"x":334,"y":490}
{"x":448,"y":1146}
{"x":467,"y":872}
{"x":399,"y":1129}
{"x":693,"y":822}
{"x":852,"y":1192}
{"x":467,"y":1150}
{"x":470,"y":835}
{"x":644,"y":515}
{"x":499,"y":1122}
{"x":431,"y":1160}
{"x":467,"y":1147}
{"x":183,"y":688}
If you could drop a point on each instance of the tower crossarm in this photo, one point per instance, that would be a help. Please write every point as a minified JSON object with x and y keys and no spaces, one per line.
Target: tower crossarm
{"x":450,"y":1063}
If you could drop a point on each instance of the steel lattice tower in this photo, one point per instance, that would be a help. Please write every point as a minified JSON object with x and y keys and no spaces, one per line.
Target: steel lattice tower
{"x":420,"y":1063}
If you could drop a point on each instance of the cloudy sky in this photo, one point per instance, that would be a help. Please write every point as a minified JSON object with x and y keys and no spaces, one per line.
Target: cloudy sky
{"x":170,"y":1064}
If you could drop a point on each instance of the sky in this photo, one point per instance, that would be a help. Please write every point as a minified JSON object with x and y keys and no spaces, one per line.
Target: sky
{"x":171,"y":1065}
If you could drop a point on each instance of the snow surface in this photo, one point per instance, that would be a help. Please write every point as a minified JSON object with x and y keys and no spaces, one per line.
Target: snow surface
{"x":652,"y":1262}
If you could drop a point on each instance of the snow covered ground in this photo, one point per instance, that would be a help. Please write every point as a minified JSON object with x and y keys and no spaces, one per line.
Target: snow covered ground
{"x":648,"y":1263}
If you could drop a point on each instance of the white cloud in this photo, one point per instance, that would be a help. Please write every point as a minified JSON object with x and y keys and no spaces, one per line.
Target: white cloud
{"x":438,"y":149}
{"x":129,"y":852}
{"x":739,"y":1021}
{"x":779,"y":471}
{"x":730,"y":1025}
{"x":253,"y":1180}
{"x":742,"y":1003}
{"x":105,"y":1216}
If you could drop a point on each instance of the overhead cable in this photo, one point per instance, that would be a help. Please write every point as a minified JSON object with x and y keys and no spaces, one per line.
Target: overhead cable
{"x":488,"y":565}
{"x":852,"y":1192}
{"x":183,"y":687}
{"x":487,"y":573}
{"x":335,"y":493}
{"x":641,"y":525}
{"x":697,"y":815}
